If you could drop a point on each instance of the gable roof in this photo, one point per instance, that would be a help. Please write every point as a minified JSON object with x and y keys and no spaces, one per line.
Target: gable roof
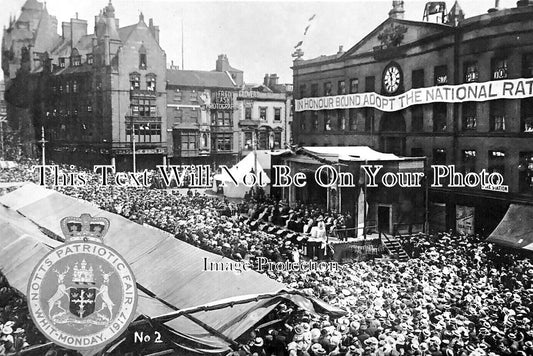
{"x":416,"y":30}
{"x":199,"y":78}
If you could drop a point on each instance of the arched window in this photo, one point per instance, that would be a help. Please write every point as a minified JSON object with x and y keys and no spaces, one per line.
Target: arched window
{"x":142,"y":58}
{"x":135,"y":81}
{"x":150,"y":82}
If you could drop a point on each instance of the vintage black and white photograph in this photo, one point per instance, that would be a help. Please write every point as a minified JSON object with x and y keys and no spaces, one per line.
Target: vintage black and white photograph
{"x":266,"y":178}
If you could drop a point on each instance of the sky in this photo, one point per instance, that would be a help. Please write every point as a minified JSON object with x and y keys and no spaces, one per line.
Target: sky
{"x":257,"y":36}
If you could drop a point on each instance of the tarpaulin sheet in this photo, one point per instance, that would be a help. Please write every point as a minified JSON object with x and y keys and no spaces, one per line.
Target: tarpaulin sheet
{"x":171,"y":269}
{"x":22,"y":244}
{"x":516,"y":228}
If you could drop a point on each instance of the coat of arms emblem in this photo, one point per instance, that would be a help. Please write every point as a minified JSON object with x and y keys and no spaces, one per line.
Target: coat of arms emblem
{"x":83,"y":293}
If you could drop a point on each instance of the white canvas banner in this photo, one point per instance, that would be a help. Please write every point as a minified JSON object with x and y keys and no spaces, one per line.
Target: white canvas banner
{"x":493,"y":90}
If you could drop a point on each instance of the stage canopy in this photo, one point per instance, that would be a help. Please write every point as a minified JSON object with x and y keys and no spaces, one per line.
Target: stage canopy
{"x":169,"y":272}
{"x":246,"y":165}
{"x":516,"y":228}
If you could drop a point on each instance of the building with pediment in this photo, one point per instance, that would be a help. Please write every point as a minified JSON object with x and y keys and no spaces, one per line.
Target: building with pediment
{"x":93,"y":94}
{"x":401,"y":55}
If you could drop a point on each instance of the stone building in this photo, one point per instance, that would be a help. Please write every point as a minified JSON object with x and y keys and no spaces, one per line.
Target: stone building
{"x":202,"y":114}
{"x":93,"y":94}
{"x":266,"y":115}
{"x":401,"y":55}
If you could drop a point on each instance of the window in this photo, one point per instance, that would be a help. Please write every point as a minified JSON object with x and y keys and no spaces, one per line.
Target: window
{"x":178,"y":115}
{"x":303,"y":89}
{"x":188,"y":141}
{"x":224,"y":142}
{"x":61,"y":62}
{"x":471,"y":72}
{"x":469,"y":115}
{"x":76,"y":61}
{"x":439,"y":117}
{"x":302,"y":122}
{"x":314,"y":90}
{"x":327,"y":89}
{"x":439,"y":156}
{"x":177,"y":95}
{"x":150,"y":82}
{"x":248,"y":140}
{"x":89,"y":108}
{"x":315,"y":121}
{"x":342,"y":120}
{"x":497,"y":115}
{"x":527,"y":114}
{"x":193,"y":95}
{"x":142,"y":58}
{"x":144,"y":132}
{"x":262,"y":140}
{"x":353,"y":119}
{"x":67,"y":87}
{"x":497,"y":162}
{"x":527,"y":65}
{"x":469,"y":161}
{"x":369,"y":119}
{"x":525,"y":172}
{"x":193,"y":115}
{"x":75,"y":86}
{"x":499,"y":68}
{"x":142,"y":107}
{"x":277,"y":139}
{"x":135,"y":81}
{"x":262,"y":113}
{"x":354,"y":86}
{"x":327,"y":121}
{"x":417,"y":118}
{"x":418,"y":78}
{"x":248,"y":113}
{"x":370,"y":84}
{"x":417,"y":152}
{"x":441,"y":75}
{"x":277,"y":114}
{"x":341,"y":88}
{"x":223,"y":118}
{"x":90,"y":59}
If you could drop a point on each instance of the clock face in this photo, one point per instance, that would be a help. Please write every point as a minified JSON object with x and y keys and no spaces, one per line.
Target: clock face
{"x":391,"y":79}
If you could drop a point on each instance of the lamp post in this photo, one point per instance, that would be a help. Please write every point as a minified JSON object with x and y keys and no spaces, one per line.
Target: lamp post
{"x":43,"y":143}
{"x":2,"y":120}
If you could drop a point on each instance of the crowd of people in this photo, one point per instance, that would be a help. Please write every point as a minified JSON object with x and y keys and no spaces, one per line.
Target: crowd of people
{"x":456,"y":295}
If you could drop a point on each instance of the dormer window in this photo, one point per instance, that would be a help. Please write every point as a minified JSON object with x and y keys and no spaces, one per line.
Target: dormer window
{"x":90,"y":59}
{"x":499,"y":68}
{"x":76,"y":61}
{"x":142,"y":58}
{"x":61,"y":62}
{"x":150,"y":82}
{"x":135,"y":81}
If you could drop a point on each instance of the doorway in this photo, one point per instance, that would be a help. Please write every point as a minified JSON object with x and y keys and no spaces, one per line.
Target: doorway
{"x":384,"y":218}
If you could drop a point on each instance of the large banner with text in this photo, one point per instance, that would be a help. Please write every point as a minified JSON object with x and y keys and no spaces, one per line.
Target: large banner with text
{"x":493,"y":90}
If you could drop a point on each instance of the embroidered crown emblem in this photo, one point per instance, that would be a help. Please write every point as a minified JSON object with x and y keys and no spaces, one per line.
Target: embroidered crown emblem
{"x":85,"y":227}
{"x":82,"y":274}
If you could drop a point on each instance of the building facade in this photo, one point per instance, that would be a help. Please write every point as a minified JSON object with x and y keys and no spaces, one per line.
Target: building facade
{"x":266,"y":115}
{"x":95,"y":96}
{"x":401,"y":55}
{"x":203,"y":114}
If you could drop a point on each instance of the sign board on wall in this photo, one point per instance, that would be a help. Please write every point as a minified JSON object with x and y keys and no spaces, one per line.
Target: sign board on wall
{"x":493,"y":90}
{"x":464,"y":219}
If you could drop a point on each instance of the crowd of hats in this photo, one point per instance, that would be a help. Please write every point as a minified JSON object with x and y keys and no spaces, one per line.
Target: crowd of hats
{"x":456,"y":295}
{"x":16,"y":328}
